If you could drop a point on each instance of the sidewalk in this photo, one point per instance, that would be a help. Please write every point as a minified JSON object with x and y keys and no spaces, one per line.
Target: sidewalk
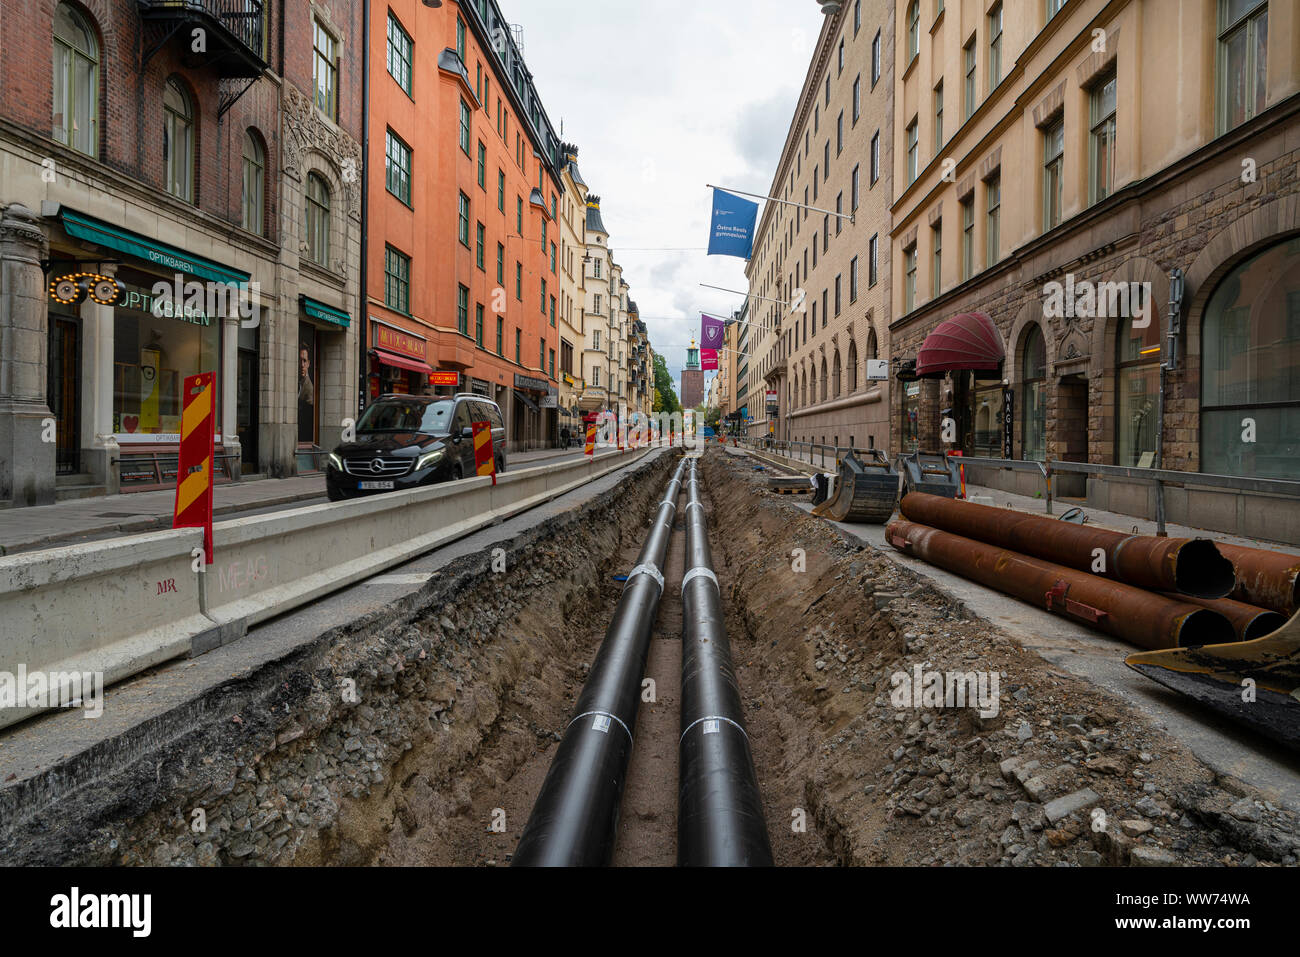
{"x":107,"y":516}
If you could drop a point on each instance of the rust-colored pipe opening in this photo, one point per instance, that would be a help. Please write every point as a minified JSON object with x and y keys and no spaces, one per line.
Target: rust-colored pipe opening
{"x":1201,"y":570}
{"x":1205,"y":627}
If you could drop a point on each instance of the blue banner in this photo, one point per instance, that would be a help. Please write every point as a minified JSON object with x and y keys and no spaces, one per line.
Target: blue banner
{"x":732,"y":230}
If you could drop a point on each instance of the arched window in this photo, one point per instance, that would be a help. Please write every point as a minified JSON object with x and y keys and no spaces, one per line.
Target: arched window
{"x":835,"y":382}
{"x":853,"y":367}
{"x":178,"y":141}
{"x":76,"y":81}
{"x":1034,"y":378}
{"x":316,"y":212}
{"x":1250,"y":368}
{"x":254,"y":183}
{"x":1137,"y":391}
{"x":913,"y":29}
{"x":824,"y":379}
{"x":873,"y":351}
{"x":812,"y":385}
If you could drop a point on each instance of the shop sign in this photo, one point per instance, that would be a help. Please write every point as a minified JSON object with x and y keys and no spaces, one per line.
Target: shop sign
{"x":163,"y":306}
{"x":527,"y":382}
{"x":442,"y":378}
{"x":877,"y":370}
{"x":1008,"y":421}
{"x":403,"y":343}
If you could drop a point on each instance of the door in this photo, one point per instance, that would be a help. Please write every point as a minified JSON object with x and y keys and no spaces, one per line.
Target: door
{"x":63,"y":392}
{"x":308,"y":391}
{"x":246,"y":412}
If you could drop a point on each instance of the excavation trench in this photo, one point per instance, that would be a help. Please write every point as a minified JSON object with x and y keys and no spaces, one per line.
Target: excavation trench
{"x":423,"y":736}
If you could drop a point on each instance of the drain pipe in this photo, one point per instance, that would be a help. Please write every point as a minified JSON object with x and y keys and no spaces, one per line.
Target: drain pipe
{"x":574,"y":822}
{"x":719,"y":812}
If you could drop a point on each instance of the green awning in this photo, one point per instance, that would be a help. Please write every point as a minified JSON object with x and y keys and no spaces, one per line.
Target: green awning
{"x":101,"y":233}
{"x":318,"y":310}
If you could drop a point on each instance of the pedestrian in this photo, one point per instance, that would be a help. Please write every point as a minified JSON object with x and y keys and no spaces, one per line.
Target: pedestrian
{"x":564,"y":437}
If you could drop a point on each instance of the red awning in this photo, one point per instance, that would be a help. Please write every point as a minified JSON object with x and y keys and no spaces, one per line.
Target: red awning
{"x":967,"y":341}
{"x":401,"y":362}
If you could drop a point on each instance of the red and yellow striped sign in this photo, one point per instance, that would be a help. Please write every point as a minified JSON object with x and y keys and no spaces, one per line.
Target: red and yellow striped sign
{"x":485,"y":462}
{"x":591,"y":440}
{"x":194,"y":471}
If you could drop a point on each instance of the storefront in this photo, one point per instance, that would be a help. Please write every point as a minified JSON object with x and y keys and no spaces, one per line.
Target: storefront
{"x":399,"y":364}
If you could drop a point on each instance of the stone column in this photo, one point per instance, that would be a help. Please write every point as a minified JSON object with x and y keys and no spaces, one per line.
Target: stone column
{"x":99,"y":451}
{"x":228,"y":390}
{"x":27,"y":440}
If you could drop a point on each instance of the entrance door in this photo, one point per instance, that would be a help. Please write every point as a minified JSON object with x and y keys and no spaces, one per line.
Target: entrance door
{"x":247,"y":410}
{"x":308,"y":386}
{"x":63,"y":392}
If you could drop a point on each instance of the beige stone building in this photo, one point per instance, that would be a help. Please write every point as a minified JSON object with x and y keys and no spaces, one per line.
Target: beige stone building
{"x":1049,"y":147}
{"x":819,"y":307}
{"x":573,"y":292}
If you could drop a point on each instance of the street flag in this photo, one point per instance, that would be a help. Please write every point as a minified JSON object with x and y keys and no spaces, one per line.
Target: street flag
{"x":194,"y":468}
{"x":732,"y":230}
{"x":708,"y":359}
{"x":485,"y":462}
{"x":712,"y":332}
{"x":591,"y":440}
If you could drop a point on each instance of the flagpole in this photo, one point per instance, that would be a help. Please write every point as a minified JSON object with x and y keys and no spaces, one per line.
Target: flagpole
{"x":851,"y":217}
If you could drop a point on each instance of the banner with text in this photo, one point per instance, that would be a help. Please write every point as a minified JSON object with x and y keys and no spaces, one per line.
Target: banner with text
{"x":709,"y":360}
{"x":732,"y":230}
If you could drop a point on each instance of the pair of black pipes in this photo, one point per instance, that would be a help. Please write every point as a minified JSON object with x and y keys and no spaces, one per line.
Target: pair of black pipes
{"x":720,"y":822}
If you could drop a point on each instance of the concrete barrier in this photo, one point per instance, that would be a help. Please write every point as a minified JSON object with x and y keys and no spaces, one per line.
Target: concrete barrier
{"x":121,"y":606}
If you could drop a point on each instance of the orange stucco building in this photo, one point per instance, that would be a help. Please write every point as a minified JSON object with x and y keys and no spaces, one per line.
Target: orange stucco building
{"x":461,"y":248}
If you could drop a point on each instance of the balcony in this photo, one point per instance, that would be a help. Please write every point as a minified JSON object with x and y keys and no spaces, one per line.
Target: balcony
{"x":234,"y":33}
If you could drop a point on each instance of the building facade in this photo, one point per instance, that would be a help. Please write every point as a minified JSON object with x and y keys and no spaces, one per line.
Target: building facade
{"x":1072,"y":169}
{"x":573,"y":291}
{"x":819,"y":308}
{"x":179,"y":194}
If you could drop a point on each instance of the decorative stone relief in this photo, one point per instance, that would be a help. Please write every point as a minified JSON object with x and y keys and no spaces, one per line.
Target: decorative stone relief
{"x":306,"y":129}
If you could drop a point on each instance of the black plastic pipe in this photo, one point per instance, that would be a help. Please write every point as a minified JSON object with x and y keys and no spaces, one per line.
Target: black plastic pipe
{"x":574,"y":822}
{"x":719,"y":812}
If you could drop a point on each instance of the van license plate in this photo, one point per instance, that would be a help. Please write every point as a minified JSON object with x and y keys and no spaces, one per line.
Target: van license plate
{"x":376,"y":486}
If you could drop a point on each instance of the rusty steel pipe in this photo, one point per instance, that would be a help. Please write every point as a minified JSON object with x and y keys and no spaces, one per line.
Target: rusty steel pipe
{"x":1122,"y":611}
{"x":1268,"y":579}
{"x":1248,"y":621}
{"x":1192,"y":566}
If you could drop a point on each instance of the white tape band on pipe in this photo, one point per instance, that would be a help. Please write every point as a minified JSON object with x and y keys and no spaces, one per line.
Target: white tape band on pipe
{"x":650,"y":570}
{"x":601,"y":722}
{"x":712,"y":717}
{"x":700,"y":572}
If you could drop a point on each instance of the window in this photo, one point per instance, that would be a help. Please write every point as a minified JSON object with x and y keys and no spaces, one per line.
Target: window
{"x":1102,"y":152}
{"x":1034,"y":376}
{"x":550,"y":367}
{"x":875,"y":59}
{"x":76,"y":81}
{"x":519,"y":346}
{"x":519,"y":281}
{"x":839,"y":137}
{"x":937,"y":279}
{"x":543,"y":297}
{"x":993,"y":190}
{"x":462,"y":310}
{"x":462,"y":220}
{"x":909,"y":279}
{"x":254,"y":192}
{"x":478,"y":324}
{"x":854,"y":191}
{"x":841,"y":66}
{"x":325,"y":70}
{"x":1137,"y":392}
{"x":1053,"y":174}
{"x":913,"y":29}
{"x":1054,"y":7}
{"x":1242,"y":61}
{"x":839,"y":302}
{"x":397,"y":281}
{"x":397,"y":167}
{"x":482,"y":166}
{"x":995,"y":46}
{"x":552,"y":310}
{"x":464,"y":127}
{"x":857,"y":16}
{"x":875,"y":157}
{"x":839,"y":219}
{"x":853,"y":280}
{"x":553,"y":259}
{"x":1250,"y":368}
{"x":501,"y":190}
{"x":460,"y":38}
{"x":857,"y":99}
{"x":399,"y":53}
{"x":501,"y":336}
{"x":501,"y":264}
{"x":969,"y":54}
{"x":480,"y":243}
{"x":519,"y":215}
{"x":912,"y":138}
{"x":938,"y":117}
{"x":316,"y":212}
{"x":967,"y":238}
{"x":873,"y":260}
{"x":178,"y":141}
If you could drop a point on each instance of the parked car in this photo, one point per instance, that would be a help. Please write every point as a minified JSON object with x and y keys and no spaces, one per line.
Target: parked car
{"x":406,"y":441}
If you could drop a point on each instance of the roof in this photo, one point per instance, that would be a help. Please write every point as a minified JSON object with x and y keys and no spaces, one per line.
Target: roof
{"x":594,"y":221}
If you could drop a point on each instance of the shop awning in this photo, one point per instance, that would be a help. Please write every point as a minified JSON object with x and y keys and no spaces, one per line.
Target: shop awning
{"x":81,"y":226}
{"x":402,"y":362}
{"x":528,"y":403}
{"x":964,"y":342}
{"x":318,"y":310}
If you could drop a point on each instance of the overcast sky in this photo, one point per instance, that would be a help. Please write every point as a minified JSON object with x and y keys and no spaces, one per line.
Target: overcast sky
{"x":662,"y":98}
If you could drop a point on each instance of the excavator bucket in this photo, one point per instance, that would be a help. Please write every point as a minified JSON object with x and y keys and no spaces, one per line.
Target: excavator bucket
{"x":1256,"y":683}
{"x":864,"y":491}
